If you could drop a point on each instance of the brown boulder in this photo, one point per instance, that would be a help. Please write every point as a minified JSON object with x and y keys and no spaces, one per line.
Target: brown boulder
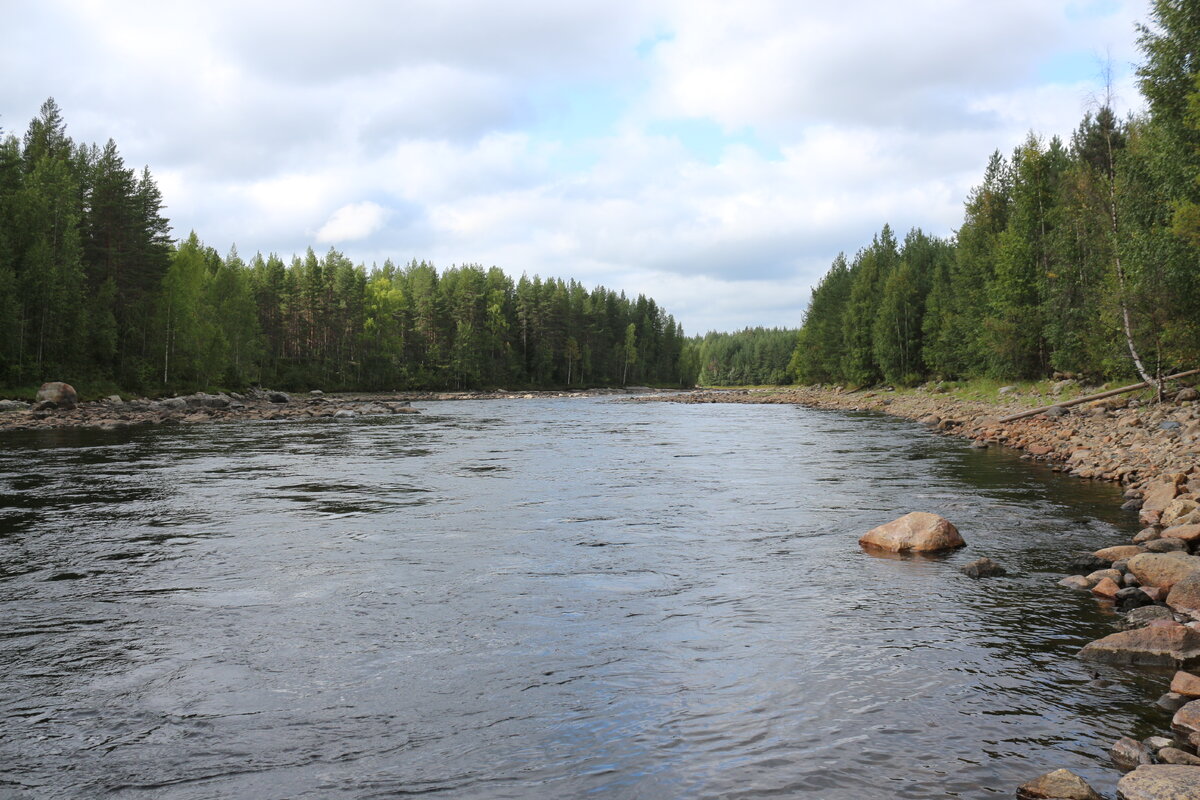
{"x":1062,"y":784}
{"x":1186,"y":684}
{"x":1106,"y":588}
{"x":61,"y":394}
{"x":1118,"y":553}
{"x":1173,"y":755}
{"x":1186,"y":721}
{"x":1160,"y":782}
{"x":1188,"y":533}
{"x":1162,"y":569}
{"x":1151,"y":646}
{"x":1159,"y":496}
{"x":1185,"y":594}
{"x":1129,"y":754}
{"x":919,"y":532}
{"x":1179,"y":509}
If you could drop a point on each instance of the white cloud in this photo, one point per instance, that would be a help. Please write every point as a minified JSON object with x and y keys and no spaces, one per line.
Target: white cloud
{"x":715,"y":156}
{"x":351,"y":223}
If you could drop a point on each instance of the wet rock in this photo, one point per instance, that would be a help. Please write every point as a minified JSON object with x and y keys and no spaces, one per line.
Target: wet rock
{"x":1186,"y":684}
{"x":1163,"y":569}
{"x":983,"y":568}
{"x":1147,"y":646}
{"x":918,"y":531}
{"x":1131,"y":597}
{"x":1077,"y":582}
{"x":1062,"y":784}
{"x":1156,"y":743}
{"x":1119,"y":553}
{"x":1173,"y":755}
{"x":61,"y":394}
{"x":1131,"y":505}
{"x":1107,"y":588}
{"x":1160,"y":782}
{"x":1086,"y":563}
{"x":1129,"y":754}
{"x":1172,"y":702}
{"x":1171,"y":545}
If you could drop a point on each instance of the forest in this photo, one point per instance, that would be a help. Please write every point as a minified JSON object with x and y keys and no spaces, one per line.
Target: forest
{"x":94,"y":290}
{"x":1077,"y":256}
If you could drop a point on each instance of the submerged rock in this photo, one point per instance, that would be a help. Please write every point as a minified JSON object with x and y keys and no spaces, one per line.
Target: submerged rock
{"x":1151,"y":646}
{"x":919,"y":532}
{"x":983,"y":568}
{"x":1062,"y":784}
{"x":1129,"y":754}
{"x":1160,"y":782}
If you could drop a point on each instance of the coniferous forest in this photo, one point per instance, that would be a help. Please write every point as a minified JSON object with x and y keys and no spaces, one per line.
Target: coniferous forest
{"x":1078,"y":256}
{"x":94,"y":290}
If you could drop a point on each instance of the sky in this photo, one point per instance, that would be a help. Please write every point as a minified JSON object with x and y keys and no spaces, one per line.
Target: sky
{"x":714,"y":156}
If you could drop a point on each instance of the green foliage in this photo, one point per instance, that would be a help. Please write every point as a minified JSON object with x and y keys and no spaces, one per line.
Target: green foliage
{"x":750,"y":357}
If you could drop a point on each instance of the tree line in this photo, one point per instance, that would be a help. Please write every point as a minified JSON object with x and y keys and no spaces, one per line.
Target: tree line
{"x":94,"y":290}
{"x":753,"y":356}
{"x":1076,"y":256}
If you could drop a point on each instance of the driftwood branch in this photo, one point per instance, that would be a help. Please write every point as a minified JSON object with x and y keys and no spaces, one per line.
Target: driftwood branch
{"x":1087,"y":399}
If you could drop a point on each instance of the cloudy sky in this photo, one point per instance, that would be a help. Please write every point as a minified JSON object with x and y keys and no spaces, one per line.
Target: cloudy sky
{"x":715,"y":156}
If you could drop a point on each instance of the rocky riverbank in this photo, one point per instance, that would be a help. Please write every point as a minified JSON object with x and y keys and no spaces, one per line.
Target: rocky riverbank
{"x":58,"y":408}
{"x":1153,"y":450}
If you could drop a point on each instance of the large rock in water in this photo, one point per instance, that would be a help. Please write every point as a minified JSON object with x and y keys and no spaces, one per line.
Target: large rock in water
{"x":1062,"y":784}
{"x":919,"y":532}
{"x":1160,"y":782}
{"x":61,"y":394}
{"x":1153,"y":646}
{"x":1163,"y":569}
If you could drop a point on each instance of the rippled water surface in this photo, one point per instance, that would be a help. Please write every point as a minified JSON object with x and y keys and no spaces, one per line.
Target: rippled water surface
{"x":543,"y":599}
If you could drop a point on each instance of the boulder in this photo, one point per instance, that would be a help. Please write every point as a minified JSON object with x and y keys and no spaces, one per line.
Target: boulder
{"x":1085,"y":563}
{"x":1184,"y":395}
{"x":1179,"y":508}
{"x":344,"y":413}
{"x":1185,"y":595}
{"x":1118,"y":553}
{"x":1107,"y":588}
{"x":1173,"y":755}
{"x":1160,"y":782}
{"x":1140,"y":617}
{"x":316,"y":393}
{"x":12,"y":405}
{"x":1159,"y":496}
{"x":1166,"y":546}
{"x":1163,"y":569}
{"x":919,"y":532}
{"x":61,"y":394}
{"x":278,"y":397}
{"x":1150,"y":646}
{"x":1062,"y":784}
{"x":1185,"y":533}
{"x":1113,"y":575}
{"x":1147,"y":535}
{"x":1077,"y":582}
{"x":1129,"y":754}
{"x":1186,"y":720}
{"x":173,"y":403}
{"x":1186,"y":684}
{"x":983,"y":568}
{"x":1130,"y":598}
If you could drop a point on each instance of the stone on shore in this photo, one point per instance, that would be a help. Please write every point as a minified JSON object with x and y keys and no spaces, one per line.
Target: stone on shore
{"x":1163,"y":569}
{"x":1077,"y":582}
{"x":1160,"y":782}
{"x":1185,"y":595}
{"x":61,"y":394}
{"x":1062,"y":784}
{"x":1118,"y":553}
{"x":1186,"y":684}
{"x":1106,"y":587}
{"x":1186,"y":533}
{"x":278,"y":397}
{"x":983,"y":568}
{"x":1173,"y":755}
{"x":919,"y":532}
{"x":1140,"y":617}
{"x":13,"y":405}
{"x":1085,"y":563}
{"x":1152,"y":646}
{"x":1186,"y":721}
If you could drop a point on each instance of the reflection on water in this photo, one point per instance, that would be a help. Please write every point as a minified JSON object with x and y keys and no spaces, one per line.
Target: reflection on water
{"x":543,"y":599}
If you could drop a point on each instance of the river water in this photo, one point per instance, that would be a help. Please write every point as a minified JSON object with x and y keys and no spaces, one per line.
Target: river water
{"x":543,"y":599}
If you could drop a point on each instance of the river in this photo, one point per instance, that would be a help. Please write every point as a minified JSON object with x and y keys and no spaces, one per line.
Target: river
{"x":544,"y":598}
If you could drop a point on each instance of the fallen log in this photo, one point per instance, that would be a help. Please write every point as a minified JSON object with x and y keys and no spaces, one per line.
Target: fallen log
{"x":1087,"y":399}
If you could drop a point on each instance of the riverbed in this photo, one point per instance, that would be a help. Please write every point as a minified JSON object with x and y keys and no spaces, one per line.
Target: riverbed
{"x":544,"y":598}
